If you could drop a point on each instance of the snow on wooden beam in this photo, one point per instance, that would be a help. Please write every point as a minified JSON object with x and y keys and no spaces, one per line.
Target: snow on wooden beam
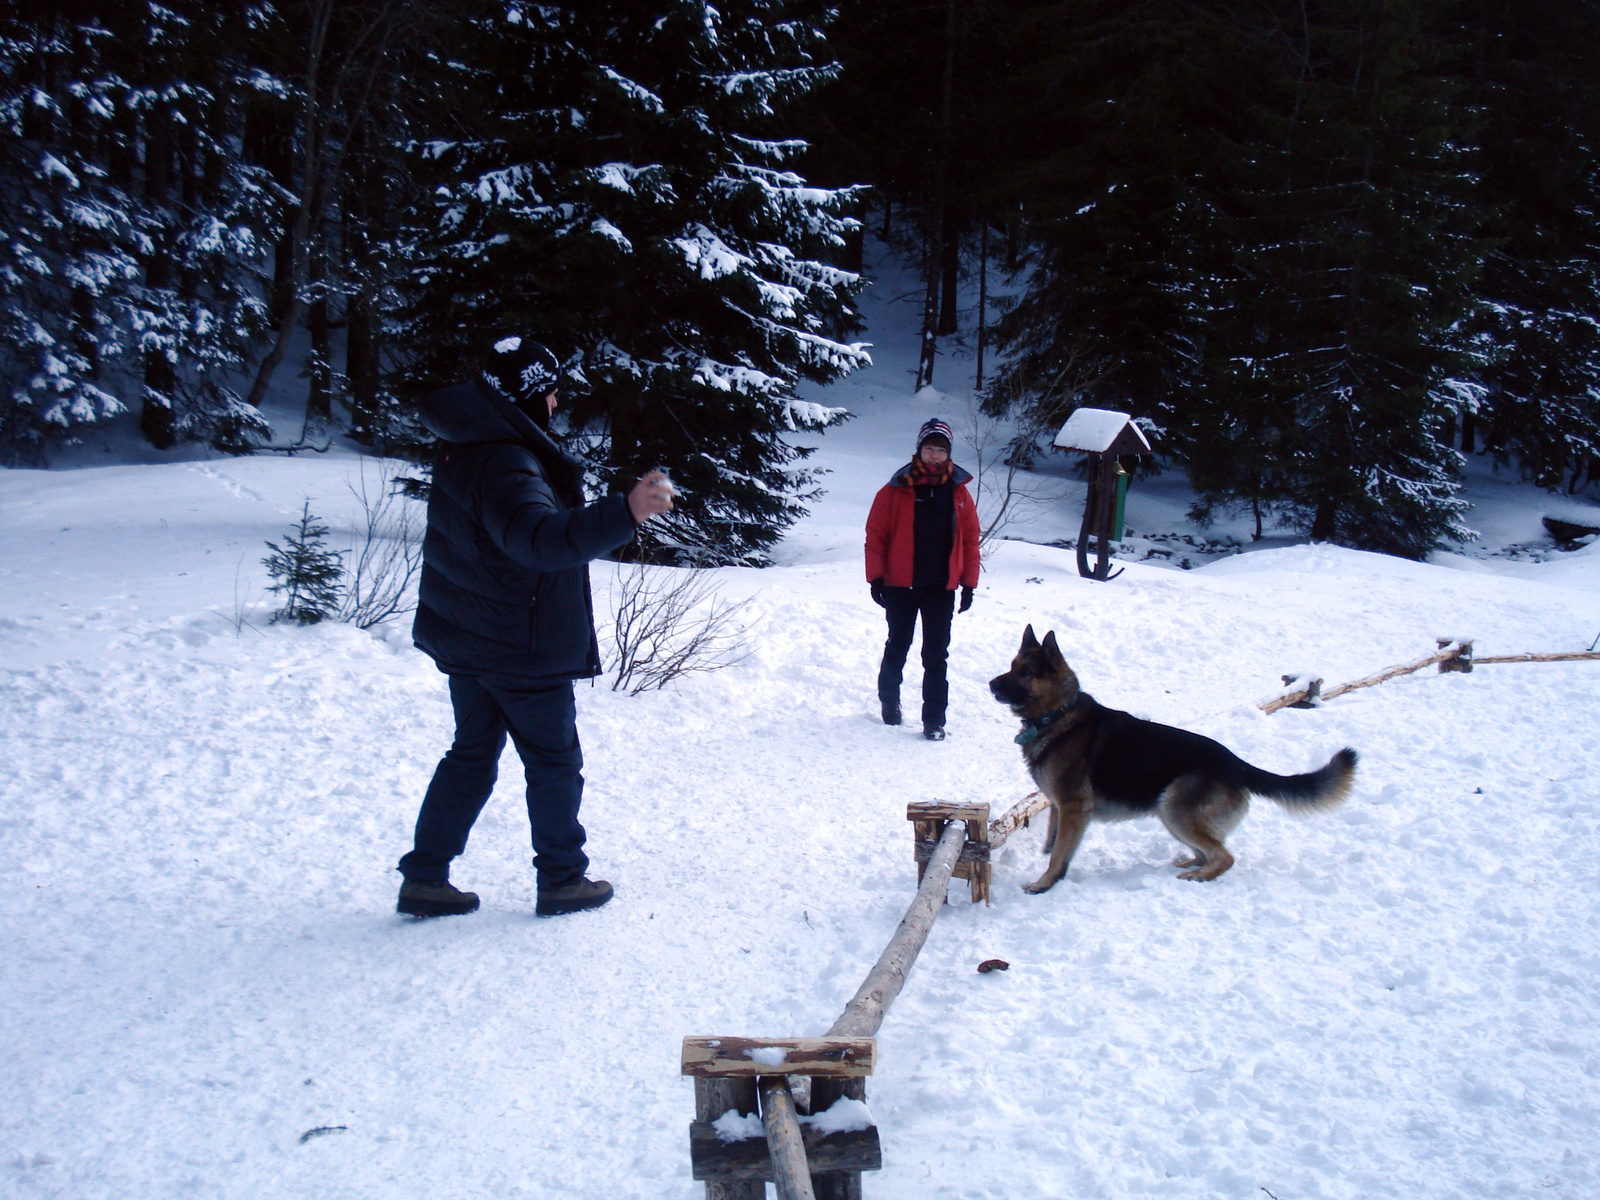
{"x":1101,"y":431}
{"x":746,"y":1056}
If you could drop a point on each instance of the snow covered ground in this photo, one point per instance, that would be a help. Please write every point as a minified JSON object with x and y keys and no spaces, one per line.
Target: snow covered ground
{"x":200,"y":819}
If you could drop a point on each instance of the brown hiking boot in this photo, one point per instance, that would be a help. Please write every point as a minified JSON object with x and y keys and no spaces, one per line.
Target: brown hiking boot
{"x":435,"y":899}
{"x":572,"y":897}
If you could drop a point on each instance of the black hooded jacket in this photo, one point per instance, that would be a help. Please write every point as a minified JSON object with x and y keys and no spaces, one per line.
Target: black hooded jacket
{"x":505,"y":576}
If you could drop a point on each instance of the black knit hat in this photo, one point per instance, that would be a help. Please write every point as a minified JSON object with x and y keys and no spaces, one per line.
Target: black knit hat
{"x":523,"y":371}
{"x":935,"y":430}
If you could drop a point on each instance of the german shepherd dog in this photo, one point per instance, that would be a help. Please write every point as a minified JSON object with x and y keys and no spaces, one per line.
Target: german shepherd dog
{"x":1099,"y":764}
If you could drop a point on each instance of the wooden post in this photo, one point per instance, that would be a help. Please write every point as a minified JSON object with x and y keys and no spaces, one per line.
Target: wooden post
{"x":1462,"y":661}
{"x":1091,"y":503}
{"x":712,"y":1098}
{"x":979,"y":869}
{"x":789,"y":1168}
{"x":835,"y":1063}
{"x":837,"y":1185}
{"x":1102,"y":524}
{"x":929,"y":817}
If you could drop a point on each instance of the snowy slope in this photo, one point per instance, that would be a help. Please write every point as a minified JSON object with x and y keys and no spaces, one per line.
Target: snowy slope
{"x":201,"y":819}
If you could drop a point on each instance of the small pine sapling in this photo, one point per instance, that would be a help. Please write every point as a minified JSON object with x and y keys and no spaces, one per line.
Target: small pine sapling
{"x":310,"y":576}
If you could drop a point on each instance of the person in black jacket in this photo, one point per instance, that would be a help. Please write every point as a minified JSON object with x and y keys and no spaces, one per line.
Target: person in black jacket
{"x":504,"y":610}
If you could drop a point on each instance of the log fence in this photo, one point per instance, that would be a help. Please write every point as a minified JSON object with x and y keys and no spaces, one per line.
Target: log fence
{"x":1453,"y":655}
{"x":793,"y":1088}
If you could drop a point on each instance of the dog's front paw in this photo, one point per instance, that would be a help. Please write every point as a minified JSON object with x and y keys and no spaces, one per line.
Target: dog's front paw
{"x":1037,"y":886}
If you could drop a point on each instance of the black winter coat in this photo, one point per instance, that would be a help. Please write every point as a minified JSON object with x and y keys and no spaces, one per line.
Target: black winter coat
{"x":505,"y":576}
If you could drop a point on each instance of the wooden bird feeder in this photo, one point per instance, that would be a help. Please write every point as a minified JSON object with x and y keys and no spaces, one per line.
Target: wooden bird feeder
{"x":1104,"y":436}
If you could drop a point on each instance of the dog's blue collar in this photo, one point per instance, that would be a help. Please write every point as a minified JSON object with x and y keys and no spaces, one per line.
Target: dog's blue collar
{"x":1034,"y":726}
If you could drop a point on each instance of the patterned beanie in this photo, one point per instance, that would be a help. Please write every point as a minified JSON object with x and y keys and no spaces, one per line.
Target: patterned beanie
{"x":935,"y":430}
{"x":522,"y":369}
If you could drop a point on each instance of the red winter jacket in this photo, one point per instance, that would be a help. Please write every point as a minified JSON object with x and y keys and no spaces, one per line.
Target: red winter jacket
{"x":891,"y":536}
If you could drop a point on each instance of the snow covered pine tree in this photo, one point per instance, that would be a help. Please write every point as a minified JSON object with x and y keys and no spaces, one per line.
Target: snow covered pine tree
{"x":130,"y":223}
{"x":621,"y":193}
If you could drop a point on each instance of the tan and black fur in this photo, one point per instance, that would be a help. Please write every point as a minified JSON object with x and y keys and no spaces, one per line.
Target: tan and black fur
{"x":1099,"y":764}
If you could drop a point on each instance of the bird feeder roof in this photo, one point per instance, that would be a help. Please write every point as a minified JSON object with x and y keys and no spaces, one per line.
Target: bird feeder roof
{"x":1101,"y":431}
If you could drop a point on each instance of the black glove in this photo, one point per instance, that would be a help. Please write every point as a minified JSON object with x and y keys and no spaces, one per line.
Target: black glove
{"x":966,"y":599}
{"x":877,"y":591}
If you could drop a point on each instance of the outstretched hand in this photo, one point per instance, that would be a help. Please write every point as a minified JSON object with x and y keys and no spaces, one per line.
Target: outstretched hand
{"x":650,"y":497}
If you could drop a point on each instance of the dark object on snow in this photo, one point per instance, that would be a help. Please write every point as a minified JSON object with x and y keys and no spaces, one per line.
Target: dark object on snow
{"x":321,"y":1131}
{"x":505,"y":572}
{"x":578,"y":896}
{"x":1568,"y":532}
{"x":1100,"y":764}
{"x":504,"y":610}
{"x":1104,"y":436}
{"x":921,"y":545}
{"x":993,"y":964}
{"x":440,"y":899}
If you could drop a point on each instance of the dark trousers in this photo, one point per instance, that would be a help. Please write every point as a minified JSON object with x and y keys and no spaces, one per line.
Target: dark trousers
{"x":936,"y":605}
{"x":542,"y":722}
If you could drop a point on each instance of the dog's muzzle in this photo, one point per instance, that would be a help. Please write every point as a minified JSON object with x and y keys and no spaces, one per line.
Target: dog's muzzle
{"x":1006,"y":690}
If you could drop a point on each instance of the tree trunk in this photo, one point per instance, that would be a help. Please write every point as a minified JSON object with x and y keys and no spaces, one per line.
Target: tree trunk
{"x":319,"y":369}
{"x":949,"y":270}
{"x":1325,"y":523}
{"x":157,"y":418}
{"x":930,"y":315}
{"x":983,"y":294}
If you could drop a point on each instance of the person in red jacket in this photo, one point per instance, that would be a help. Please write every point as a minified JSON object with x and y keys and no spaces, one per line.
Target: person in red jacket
{"x":922,"y":544}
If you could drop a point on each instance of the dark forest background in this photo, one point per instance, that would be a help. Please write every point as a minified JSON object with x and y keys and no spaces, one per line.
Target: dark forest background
{"x":1322,"y":248}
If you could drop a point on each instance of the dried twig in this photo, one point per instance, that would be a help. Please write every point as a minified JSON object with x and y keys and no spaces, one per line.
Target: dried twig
{"x":668,"y":622}
{"x":386,"y":553}
{"x":1003,"y":487}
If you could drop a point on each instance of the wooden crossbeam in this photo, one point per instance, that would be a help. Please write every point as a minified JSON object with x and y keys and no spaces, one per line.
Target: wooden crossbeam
{"x":711,"y":1158}
{"x":746,"y":1057}
{"x":944,"y":810}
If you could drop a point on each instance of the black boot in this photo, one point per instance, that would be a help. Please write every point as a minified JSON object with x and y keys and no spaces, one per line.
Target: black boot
{"x":572,"y":897}
{"x":891,"y":712}
{"x":435,"y":899}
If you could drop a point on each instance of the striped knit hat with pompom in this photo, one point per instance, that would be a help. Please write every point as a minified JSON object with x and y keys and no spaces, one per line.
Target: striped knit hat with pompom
{"x":935,"y":428}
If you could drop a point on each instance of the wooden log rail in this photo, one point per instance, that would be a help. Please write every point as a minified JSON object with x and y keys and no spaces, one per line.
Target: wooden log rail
{"x":1453,"y":655}
{"x":735,"y":1078}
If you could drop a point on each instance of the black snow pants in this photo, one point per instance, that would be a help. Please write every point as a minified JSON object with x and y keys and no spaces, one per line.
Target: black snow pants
{"x":936,"y":605}
{"x":542,"y":721}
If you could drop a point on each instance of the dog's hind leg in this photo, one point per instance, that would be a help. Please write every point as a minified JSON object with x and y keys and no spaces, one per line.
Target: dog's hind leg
{"x":1201,"y":813}
{"x":1068,"y":823}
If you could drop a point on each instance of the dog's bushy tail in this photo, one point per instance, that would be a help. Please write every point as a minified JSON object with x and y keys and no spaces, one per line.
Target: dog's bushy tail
{"x":1314,"y":791}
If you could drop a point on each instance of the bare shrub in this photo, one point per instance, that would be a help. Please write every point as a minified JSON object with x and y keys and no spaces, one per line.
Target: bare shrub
{"x":1004,"y":486}
{"x":386,"y":548}
{"x":668,"y":622}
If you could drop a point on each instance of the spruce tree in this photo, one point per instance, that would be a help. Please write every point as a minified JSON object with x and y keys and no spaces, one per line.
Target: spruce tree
{"x":131,"y":225}
{"x":66,"y":235}
{"x":1531,"y":80}
{"x":621,"y":190}
{"x":308,"y":575}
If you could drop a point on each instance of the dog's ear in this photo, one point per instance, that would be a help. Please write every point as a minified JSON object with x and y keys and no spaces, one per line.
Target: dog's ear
{"x":1053,"y":651}
{"x":1029,"y":642}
